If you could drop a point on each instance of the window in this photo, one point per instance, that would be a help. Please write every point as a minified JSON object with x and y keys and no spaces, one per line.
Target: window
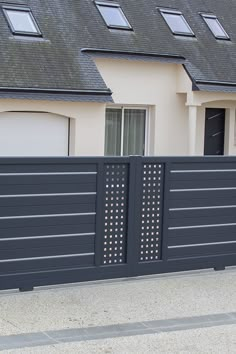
{"x":21,"y":21}
{"x":215,"y":26}
{"x":113,"y":15}
{"x":177,"y":23}
{"x":125,"y":131}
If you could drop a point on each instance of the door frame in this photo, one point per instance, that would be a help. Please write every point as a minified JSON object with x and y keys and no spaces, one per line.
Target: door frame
{"x":225,"y":126}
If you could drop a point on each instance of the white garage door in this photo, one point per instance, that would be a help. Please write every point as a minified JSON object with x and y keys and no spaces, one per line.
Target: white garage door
{"x":33,"y":134}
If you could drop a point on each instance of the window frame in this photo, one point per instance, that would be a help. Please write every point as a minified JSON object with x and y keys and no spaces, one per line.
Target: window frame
{"x":115,"y":5}
{"x":212,"y":16}
{"x":147,"y":127}
{"x":180,"y":14}
{"x":25,"y":9}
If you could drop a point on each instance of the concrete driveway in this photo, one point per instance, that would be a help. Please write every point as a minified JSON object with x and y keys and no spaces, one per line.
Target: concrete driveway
{"x":192,"y":312}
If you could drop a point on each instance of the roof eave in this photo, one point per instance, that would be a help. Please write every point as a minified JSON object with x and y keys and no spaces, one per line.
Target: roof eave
{"x":56,"y":94}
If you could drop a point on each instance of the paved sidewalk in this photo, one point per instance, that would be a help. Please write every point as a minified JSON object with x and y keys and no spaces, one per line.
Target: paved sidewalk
{"x":161,"y":314}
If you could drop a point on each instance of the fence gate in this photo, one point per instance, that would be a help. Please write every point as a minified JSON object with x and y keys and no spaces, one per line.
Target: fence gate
{"x":77,"y":219}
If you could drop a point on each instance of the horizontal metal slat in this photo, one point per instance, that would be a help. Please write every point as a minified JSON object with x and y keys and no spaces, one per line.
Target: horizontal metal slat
{"x":221,"y":164}
{"x":190,"y":175}
{"x":211,"y":195}
{"x":50,"y":239}
{"x":201,"y":226}
{"x":47,"y":221}
{"x":37,"y":265}
{"x":51,"y":166}
{"x":46,"y":188}
{"x":18,"y":174}
{"x":196,"y":236}
{"x":39,"y":216}
{"x":46,"y":179}
{"x":40,"y":230}
{"x":205,"y":183}
{"x":48,"y":200}
{"x":202,"y":202}
{"x":47,"y":209}
{"x":188,"y":252}
{"x":45,"y":195}
{"x":45,"y":250}
{"x":203,"y":213}
{"x":203,"y":244}
{"x":208,"y":220}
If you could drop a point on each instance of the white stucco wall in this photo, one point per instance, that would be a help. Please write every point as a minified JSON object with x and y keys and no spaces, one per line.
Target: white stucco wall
{"x":154,"y":85}
{"x":164,"y":88}
{"x":215,"y":100}
{"x":87,"y":122}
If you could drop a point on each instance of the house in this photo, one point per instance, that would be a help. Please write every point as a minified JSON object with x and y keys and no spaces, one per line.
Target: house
{"x":84,"y":77}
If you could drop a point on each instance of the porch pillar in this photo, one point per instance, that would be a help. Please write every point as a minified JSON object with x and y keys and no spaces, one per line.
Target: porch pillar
{"x":192,"y":130}
{"x":229,"y":131}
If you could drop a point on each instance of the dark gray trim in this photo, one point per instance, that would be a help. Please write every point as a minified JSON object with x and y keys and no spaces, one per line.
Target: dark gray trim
{"x":137,"y":58}
{"x":211,"y":82}
{"x":44,"y":90}
{"x":131,"y":53}
{"x":57,"y":95}
{"x":214,"y":86}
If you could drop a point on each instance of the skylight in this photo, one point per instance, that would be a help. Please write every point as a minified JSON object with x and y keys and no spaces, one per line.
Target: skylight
{"x":215,"y":26}
{"x":113,"y":15}
{"x":177,"y":23}
{"x":21,"y":21}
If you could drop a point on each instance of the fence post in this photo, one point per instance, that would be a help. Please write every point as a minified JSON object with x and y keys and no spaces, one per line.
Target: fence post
{"x":165,"y":215}
{"x":100,"y":213}
{"x":134,"y":213}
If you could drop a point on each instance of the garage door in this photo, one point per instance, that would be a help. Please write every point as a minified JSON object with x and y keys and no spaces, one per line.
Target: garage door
{"x":33,"y":134}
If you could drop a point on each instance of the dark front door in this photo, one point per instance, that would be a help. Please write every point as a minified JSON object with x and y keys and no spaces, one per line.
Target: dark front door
{"x":214,"y":131}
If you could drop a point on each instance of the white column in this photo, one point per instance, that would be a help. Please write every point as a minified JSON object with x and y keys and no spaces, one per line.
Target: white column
{"x":192,"y":130}
{"x":229,"y":132}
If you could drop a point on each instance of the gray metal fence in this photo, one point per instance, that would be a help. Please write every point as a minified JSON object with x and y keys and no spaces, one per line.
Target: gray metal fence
{"x":77,"y":219}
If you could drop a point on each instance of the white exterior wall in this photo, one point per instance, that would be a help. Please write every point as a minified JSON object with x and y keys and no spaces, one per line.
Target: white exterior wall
{"x":153,"y":85}
{"x":164,"y":88}
{"x":87,"y":122}
{"x":230,"y":120}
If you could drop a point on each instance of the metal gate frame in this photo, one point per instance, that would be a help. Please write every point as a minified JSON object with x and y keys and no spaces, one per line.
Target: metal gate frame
{"x":118,"y":217}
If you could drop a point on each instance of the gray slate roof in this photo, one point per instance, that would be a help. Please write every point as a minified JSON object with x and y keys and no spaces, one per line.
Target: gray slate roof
{"x":56,"y":61}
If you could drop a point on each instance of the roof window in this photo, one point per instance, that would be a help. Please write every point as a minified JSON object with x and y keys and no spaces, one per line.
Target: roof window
{"x":177,"y":23}
{"x":215,"y":26}
{"x":21,"y":21}
{"x":113,"y":15}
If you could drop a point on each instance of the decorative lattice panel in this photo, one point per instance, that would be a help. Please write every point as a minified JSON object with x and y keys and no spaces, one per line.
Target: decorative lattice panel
{"x":115,"y":225}
{"x":151,"y":215}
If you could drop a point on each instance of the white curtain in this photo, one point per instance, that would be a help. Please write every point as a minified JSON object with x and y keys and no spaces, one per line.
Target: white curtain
{"x":134,"y":132}
{"x":133,"y":140}
{"x":113,"y":132}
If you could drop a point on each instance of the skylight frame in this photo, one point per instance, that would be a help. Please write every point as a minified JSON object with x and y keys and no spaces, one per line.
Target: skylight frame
{"x":100,"y":4}
{"x":190,"y":32}
{"x":26,"y":10}
{"x":205,"y":16}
